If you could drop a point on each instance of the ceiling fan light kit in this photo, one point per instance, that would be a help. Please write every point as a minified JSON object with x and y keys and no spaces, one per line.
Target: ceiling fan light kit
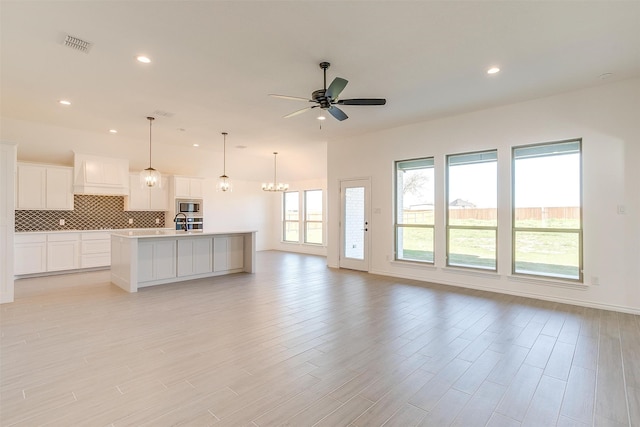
{"x":328,"y":97}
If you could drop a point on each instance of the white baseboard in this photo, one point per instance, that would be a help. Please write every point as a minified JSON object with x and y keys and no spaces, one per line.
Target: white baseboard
{"x":571,"y":301}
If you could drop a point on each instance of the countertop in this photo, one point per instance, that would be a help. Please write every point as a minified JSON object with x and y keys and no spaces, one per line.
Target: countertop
{"x":152,"y":233}
{"x":99,"y":230}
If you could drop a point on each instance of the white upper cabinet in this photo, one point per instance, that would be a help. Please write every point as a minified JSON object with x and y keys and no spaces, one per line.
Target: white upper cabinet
{"x":159,"y":197}
{"x":42,"y":187}
{"x":147,"y":199}
{"x":187,"y":187}
{"x":59,"y":188}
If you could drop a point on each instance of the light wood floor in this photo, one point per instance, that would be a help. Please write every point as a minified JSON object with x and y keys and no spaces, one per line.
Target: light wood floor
{"x":299,"y":344}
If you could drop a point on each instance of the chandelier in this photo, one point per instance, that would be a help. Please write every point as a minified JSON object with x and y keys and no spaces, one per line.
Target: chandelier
{"x":275,"y":185}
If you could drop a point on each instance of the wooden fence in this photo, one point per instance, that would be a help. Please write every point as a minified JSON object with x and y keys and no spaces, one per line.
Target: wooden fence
{"x":426,"y":216}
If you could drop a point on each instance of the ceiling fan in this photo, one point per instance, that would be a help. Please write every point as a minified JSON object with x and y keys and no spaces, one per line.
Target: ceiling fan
{"x":327,"y":98}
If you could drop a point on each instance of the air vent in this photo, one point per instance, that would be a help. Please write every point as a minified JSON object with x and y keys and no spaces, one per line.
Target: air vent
{"x":77,"y":44}
{"x":160,"y":113}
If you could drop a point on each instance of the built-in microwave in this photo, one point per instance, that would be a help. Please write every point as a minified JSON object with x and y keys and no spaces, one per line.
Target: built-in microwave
{"x":189,"y":207}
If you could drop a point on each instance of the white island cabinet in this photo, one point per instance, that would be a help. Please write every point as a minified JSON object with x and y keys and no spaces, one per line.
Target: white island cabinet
{"x":195,"y":256}
{"x":148,"y":258}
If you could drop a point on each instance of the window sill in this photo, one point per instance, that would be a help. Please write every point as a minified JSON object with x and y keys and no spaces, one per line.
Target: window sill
{"x":414,"y":264}
{"x":472,"y":272}
{"x":549,"y":282}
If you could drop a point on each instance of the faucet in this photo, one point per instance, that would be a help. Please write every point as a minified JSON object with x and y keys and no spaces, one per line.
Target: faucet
{"x":184,"y":224}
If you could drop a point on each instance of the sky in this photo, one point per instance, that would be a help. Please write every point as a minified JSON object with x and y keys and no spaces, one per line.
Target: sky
{"x":540,"y":182}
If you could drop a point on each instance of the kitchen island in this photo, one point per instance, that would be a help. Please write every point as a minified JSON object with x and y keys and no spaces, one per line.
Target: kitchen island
{"x":155,"y":257}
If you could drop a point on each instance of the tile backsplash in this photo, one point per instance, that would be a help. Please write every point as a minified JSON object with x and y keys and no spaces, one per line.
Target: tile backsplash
{"x":89,"y":213}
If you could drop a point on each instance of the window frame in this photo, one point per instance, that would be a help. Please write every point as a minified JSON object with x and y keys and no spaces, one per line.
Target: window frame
{"x":449,"y":227}
{"x":397,"y":225}
{"x":305,"y":221}
{"x":579,"y":231}
{"x":285,"y":221}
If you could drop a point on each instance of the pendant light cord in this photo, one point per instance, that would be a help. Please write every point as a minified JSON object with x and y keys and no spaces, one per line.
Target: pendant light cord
{"x":151,"y":119}
{"x":275,"y":169}
{"x":224,"y":154}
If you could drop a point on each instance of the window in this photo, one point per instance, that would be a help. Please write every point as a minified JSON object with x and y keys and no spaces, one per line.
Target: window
{"x":547,"y":210}
{"x":305,"y":215}
{"x":472,"y":207}
{"x":414,"y":210}
{"x":291,"y":217}
{"x":313,"y":216}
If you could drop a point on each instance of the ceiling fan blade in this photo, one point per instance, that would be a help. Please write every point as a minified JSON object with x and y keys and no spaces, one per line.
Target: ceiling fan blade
{"x":292,"y":98}
{"x":337,"y":113}
{"x":362,"y":101}
{"x":336,"y":86}
{"x":295,"y":113}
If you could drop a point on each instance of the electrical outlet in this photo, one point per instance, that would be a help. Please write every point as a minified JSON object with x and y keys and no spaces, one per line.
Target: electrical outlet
{"x":622,"y":209}
{"x":61,"y":221}
{"x":595,"y":280}
{"x":130,"y":220}
{"x":157,"y":220}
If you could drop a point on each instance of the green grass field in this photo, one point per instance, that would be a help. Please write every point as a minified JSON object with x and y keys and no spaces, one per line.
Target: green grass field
{"x":549,"y":254}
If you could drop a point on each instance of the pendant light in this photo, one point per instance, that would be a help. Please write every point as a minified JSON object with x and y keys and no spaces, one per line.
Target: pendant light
{"x":275,"y":185}
{"x":150,"y":178}
{"x":224,"y":182}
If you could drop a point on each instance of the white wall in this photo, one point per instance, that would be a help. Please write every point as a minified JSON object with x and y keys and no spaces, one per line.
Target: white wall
{"x":606,"y":117}
{"x":247,"y":207}
{"x":7,"y":219}
{"x":277,"y":243}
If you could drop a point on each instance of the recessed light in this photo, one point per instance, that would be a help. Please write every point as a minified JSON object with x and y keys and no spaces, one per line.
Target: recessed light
{"x":322,"y":118}
{"x":113,"y":131}
{"x":196,"y":145}
{"x":143,"y":59}
{"x":493,"y":70}
{"x":64,"y":102}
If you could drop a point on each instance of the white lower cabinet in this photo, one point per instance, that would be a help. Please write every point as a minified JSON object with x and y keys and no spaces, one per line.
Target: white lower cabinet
{"x":228,"y":253}
{"x":194,"y":256}
{"x":156,"y":260}
{"x":43,"y":252}
{"x":95,"y":249}
{"x":30,"y":254}
{"x":63,"y":251}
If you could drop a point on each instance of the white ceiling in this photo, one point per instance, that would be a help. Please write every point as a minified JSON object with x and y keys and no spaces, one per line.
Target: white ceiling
{"x":214,"y":63}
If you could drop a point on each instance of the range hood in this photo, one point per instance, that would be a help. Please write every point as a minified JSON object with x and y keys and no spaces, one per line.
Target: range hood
{"x":99,"y":175}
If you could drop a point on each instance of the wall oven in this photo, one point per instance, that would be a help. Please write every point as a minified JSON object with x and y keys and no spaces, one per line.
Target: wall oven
{"x":189,"y":223}
{"x":189,"y":207}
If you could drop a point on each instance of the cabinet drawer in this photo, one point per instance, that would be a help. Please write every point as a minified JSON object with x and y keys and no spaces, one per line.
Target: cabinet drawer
{"x":30,"y":238}
{"x":100,"y":235}
{"x":95,"y":260}
{"x":95,"y":247}
{"x":63,"y":237}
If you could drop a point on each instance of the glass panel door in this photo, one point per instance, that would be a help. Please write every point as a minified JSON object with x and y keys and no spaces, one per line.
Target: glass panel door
{"x":355,"y":225}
